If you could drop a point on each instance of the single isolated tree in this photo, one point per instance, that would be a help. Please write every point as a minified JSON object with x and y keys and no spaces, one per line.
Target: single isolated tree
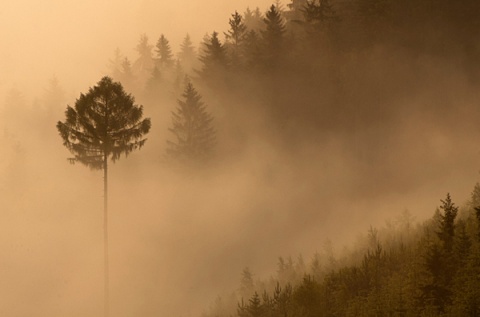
{"x":104,"y":124}
{"x":192,"y":128}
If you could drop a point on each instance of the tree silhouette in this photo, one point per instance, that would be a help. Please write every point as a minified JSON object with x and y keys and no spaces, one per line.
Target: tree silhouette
{"x":192,"y":127}
{"x":253,"y":19}
{"x":104,"y":124}
{"x":235,"y":36}
{"x":187,"y":55}
{"x":144,"y":64}
{"x":447,"y":224}
{"x":214,"y":59}
{"x":164,"y":53}
{"x":275,"y":30}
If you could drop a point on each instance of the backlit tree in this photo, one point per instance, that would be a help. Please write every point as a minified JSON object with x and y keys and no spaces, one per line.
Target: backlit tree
{"x":104,"y":124}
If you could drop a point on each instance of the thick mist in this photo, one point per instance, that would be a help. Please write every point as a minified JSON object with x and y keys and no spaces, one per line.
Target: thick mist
{"x":180,"y":237}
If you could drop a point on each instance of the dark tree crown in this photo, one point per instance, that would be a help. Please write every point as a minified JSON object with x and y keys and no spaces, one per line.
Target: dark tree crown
{"x":105,"y":122}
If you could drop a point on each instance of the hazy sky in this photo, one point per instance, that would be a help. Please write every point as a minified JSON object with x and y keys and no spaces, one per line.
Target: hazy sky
{"x":58,"y":37}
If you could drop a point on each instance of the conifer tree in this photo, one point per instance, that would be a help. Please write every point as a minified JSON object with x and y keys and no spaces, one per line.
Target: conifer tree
{"x":475,"y":203}
{"x":164,"y":53}
{"x":253,"y":19}
{"x":318,"y":13}
{"x":154,"y":85}
{"x":214,"y":59}
{"x":475,"y":196}
{"x":273,"y":35}
{"x":447,"y":223}
{"x":235,"y":37}
{"x":187,"y":55}
{"x":126,"y":76}
{"x":237,"y":30}
{"x":255,"y":308}
{"x":252,"y":50}
{"x":143,"y":65}
{"x":462,"y":244}
{"x":194,"y":136}
{"x":439,"y":260}
{"x":295,"y":9}
{"x":246,"y":283}
{"x":104,"y":124}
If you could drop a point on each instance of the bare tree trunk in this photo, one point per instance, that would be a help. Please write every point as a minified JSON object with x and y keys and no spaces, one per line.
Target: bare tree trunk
{"x":105,"y":236}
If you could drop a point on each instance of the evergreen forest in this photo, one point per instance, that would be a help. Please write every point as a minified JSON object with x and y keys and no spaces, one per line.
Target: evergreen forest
{"x":334,"y":107}
{"x":402,"y":269}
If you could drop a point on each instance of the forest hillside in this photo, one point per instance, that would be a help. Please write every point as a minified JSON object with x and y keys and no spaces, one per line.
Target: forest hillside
{"x":402,"y":269}
{"x":298,"y":122}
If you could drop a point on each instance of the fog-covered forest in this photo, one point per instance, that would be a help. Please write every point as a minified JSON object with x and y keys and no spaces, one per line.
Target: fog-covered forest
{"x":305,"y":158}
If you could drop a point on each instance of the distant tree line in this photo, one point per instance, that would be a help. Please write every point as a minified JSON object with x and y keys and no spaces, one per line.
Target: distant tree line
{"x":309,"y":66}
{"x":326,"y":65}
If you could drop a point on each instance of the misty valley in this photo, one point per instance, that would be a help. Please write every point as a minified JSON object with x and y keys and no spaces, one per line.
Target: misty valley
{"x":311,"y":158}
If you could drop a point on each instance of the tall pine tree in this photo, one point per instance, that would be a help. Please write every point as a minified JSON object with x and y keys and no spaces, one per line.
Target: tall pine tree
{"x":104,"y":124}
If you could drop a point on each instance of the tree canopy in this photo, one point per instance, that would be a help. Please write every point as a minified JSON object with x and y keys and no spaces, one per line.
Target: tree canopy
{"x":104,"y":123}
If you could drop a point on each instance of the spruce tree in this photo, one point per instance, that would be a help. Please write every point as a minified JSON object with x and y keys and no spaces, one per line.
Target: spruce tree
{"x":153,"y":87}
{"x":475,"y":203}
{"x":126,"y":76}
{"x":143,"y":65}
{"x":273,"y":36}
{"x":235,"y":37}
{"x":253,"y":19}
{"x":164,"y":53}
{"x":187,"y":55}
{"x":104,"y":124}
{"x":214,"y":59}
{"x":447,"y":223}
{"x":246,"y":283}
{"x":317,"y":13}
{"x":194,"y":136}
{"x":236,"y":33}
{"x":252,"y":50}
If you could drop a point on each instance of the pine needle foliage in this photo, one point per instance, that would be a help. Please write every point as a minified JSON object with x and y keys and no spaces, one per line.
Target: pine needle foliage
{"x":104,"y":123}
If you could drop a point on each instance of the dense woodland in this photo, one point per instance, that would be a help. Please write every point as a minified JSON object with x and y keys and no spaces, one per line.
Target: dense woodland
{"x":402,"y":269}
{"x":357,"y":69}
{"x":315,"y":68}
